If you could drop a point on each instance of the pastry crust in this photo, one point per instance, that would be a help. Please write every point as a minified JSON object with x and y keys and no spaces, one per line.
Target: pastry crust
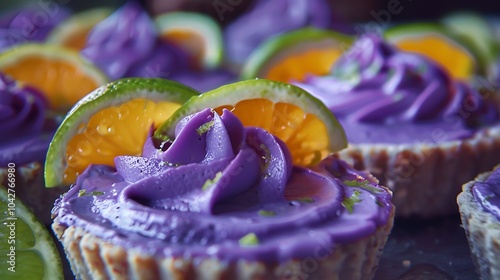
{"x":425,"y":177}
{"x":482,"y":230}
{"x":94,"y":258}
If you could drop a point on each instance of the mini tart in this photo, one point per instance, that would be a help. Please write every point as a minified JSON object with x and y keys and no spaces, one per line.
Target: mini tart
{"x":93,"y":258}
{"x":427,"y":174}
{"x":482,"y":229}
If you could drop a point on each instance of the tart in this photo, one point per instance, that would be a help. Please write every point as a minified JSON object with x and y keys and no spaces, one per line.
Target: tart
{"x":419,"y":132}
{"x":221,"y":200}
{"x":479,"y":204}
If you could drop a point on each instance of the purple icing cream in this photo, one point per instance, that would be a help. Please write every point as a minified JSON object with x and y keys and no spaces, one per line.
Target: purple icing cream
{"x":269,"y":18}
{"x":205,"y":81}
{"x":26,"y":131}
{"x":126,"y":44}
{"x":381,"y":94}
{"x":30,"y":24}
{"x":487,"y":193}
{"x":216,"y":183}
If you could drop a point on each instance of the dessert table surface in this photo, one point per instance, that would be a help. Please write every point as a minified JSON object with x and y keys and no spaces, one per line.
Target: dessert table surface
{"x":435,"y":249}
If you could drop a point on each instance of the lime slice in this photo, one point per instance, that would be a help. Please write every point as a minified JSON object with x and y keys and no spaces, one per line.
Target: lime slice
{"x":436,"y":43}
{"x":304,"y":123}
{"x":476,"y":33}
{"x":32,"y":253}
{"x":199,"y":35}
{"x":294,"y":55}
{"x":60,"y":73}
{"x":73,"y":31}
{"x":113,"y":120}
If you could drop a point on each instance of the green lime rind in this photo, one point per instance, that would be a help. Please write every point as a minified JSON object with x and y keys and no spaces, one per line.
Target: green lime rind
{"x":412,"y":30}
{"x":258,"y":88}
{"x":85,"y":19}
{"x":476,"y":31}
{"x":36,"y":253}
{"x":112,"y":94}
{"x":280,"y":46}
{"x":203,"y":25}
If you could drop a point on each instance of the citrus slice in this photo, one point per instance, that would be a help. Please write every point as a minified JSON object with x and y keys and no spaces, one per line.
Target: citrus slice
{"x":476,"y":33}
{"x":59,"y":72}
{"x":72,"y":32}
{"x":294,"y":55}
{"x":303,"y":122}
{"x":199,"y":35}
{"x":110,"y":121}
{"x":434,"y":42}
{"x":32,"y":254}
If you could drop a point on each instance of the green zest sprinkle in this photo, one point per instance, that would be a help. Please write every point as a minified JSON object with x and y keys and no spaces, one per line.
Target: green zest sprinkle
{"x":82,"y":192}
{"x":210,"y":182}
{"x":379,"y":203}
{"x":349,"y":202}
{"x":204,"y":127}
{"x":249,"y":240}
{"x":265,"y":213}
{"x":362,"y":185}
{"x":306,"y":200}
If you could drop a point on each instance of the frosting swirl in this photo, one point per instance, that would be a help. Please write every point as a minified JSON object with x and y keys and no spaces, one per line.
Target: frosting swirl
{"x":216,"y":183}
{"x":376,"y":84}
{"x":269,"y":18}
{"x":487,"y":193}
{"x":126,"y":45}
{"x":23,"y":123}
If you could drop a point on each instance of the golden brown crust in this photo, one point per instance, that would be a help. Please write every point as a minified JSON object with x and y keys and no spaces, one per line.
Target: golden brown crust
{"x":93,"y":258}
{"x":428,"y":174}
{"x":482,"y":230}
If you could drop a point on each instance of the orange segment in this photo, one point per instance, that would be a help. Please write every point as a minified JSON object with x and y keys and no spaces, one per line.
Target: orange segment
{"x":62,"y":82}
{"x":76,"y":40}
{"x":302,"y":132}
{"x":61,"y":74}
{"x":114,"y":131}
{"x":455,"y":59}
{"x":296,"y":67}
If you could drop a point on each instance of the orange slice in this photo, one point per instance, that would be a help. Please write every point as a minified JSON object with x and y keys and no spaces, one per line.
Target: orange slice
{"x":305,"y":124}
{"x":113,"y":120}
{"x":433,"y":42}
{"x":58,"y":72}
{"x":294,"y":55}
{"x":72,"y":33}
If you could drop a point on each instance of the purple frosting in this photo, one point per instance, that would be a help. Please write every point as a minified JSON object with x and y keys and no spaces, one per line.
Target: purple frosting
{"x":217,"y":182}
{"x":26,"y":132}
{"x":376,"y":90}
{"x":270,"y":18}
{"x":126,"y":44}
{"x":487,"y":193}
{"x":30,"y":24}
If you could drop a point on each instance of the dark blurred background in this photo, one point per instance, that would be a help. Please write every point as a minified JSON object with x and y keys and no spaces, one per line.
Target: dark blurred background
{"x":346,"y":11}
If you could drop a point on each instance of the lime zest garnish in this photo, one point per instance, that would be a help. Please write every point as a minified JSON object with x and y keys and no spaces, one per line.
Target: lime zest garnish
{"x":83,"y":192}
{"x":204,"y":127}
{"x":349,"y":202}
{"x":266,"y":213}
{"x":249,"y":240}
{"x":210,"y":182}
{"x":306,"y":200}
{"x":362,"y":185}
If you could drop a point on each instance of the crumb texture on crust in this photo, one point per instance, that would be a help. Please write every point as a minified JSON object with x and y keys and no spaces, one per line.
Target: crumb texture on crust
{"x":483,"y":232}
{"x":427,"y":174}
{"x":93,"y":258}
